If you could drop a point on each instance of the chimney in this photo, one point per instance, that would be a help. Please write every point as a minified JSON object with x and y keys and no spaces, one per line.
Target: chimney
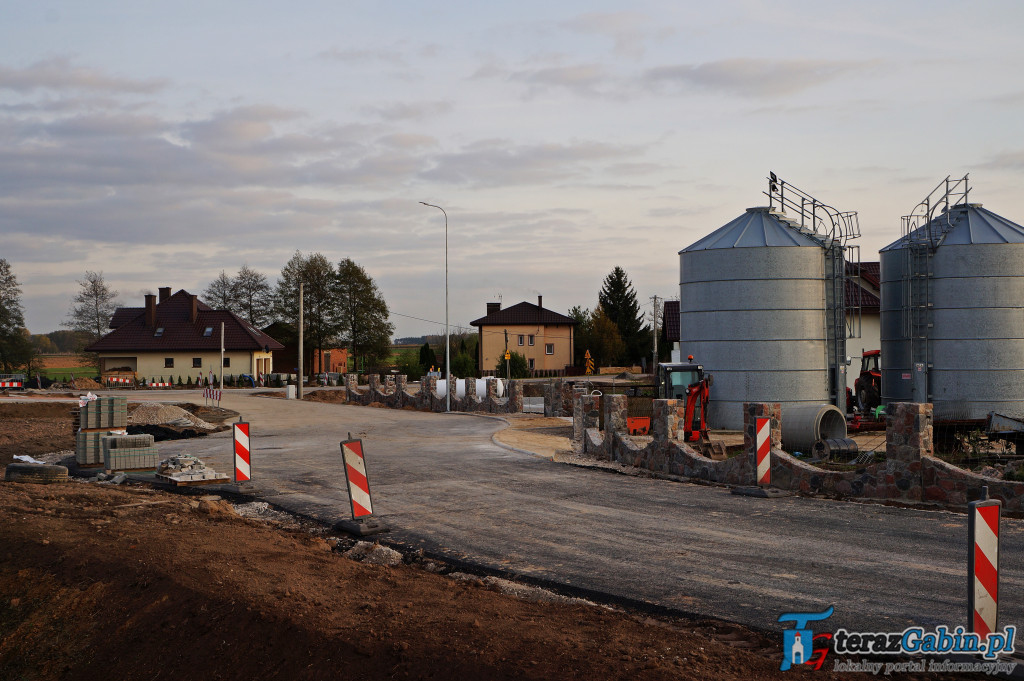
{"x":165,"y":293}
{"x":150,"y":310}
{"x":193,"y":312}
{"x":493,"y":307}
{"x":540,"y":301}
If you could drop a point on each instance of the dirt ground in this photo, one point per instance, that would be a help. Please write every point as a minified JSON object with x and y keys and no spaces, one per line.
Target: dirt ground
{"x":101,"y":581}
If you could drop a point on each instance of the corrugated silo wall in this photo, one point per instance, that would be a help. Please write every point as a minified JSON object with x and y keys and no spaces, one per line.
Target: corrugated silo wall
{"x":897,"y":365}
{"x":755,"y":318}
{"x":978,"y":335}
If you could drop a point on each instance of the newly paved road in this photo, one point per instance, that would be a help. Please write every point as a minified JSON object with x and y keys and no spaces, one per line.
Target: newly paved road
{"x":441,"y":484}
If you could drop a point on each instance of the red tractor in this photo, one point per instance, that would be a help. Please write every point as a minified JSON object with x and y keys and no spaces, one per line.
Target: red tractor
{"x":868,"y":386}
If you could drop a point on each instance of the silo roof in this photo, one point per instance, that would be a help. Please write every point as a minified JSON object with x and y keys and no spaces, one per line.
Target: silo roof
{"x":969,"y":224}
{"x":756,"y":228}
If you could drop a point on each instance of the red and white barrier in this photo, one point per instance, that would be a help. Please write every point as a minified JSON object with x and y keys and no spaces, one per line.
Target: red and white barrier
{"x":355,"y":476}
{"x":119,"y":379}
{"x":243,"y":469}
{"x":211,"y":394}
{"x":983,"y":564}
{"x":764,"y":450}
{"x":164,"y":384}
{"x":10,"y":384}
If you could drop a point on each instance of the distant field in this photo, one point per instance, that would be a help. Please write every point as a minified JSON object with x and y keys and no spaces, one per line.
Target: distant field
{"x":63,"y":361}
{"x":61,"y":372}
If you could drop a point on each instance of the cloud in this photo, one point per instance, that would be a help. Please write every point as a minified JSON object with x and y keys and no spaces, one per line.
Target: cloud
{"x":628,"y":31}
{"x":405,"y":111}
{"x":59,"y":74}
{"x":1007,"y":160}
{"x":583,"y":79}
{"x":365,"y":56}
{"x":501,"y":162}
{"x":751,"y":77}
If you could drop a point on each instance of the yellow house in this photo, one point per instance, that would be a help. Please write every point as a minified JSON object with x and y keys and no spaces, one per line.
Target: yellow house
{"x":180,"y":336}
{"x":544,"y":337}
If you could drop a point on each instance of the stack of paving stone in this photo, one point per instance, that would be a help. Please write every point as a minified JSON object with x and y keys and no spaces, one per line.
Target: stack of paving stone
{"x":95,"y":420}
{"x":185,"y":469}
{"x":129,"y":453}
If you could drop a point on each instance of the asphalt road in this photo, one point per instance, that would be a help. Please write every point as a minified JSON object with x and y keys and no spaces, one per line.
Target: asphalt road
{"x":441,"y":484}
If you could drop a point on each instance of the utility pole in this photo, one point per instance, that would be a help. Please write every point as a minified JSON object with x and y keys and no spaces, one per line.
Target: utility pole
{"x":302,"y":329}
{"x":654,"y":366}
{"x":508,"y":371}
{"x":222,"y":355}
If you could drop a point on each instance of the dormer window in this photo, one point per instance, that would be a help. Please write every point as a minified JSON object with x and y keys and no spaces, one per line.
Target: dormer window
{"x":208,"y":331}
{"x":159,"y":332}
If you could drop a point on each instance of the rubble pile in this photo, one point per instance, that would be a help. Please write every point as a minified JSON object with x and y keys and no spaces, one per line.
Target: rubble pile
{"x":166,"y":414}
{"x":185,"y":468}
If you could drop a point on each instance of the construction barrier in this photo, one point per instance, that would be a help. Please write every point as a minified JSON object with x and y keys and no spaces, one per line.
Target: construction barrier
{"x":355,"y":476}
{"x":164,"y":384}
{"x":243,"y":469}
{"x":983,"y":564}
{"x":212,"y":394}
{"x":10,"y":384}
{"x":764,"y":450}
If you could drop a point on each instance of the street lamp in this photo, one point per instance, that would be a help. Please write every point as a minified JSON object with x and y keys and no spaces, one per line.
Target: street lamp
{"x":447,"y":341}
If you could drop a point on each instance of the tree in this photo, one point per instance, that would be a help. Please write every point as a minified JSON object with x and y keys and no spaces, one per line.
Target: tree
{"x":316,"y":274}
{"x":93,"y":307}
{"x":253,"y":296}
{"x":606,"y":344}
{"x":66,"y":341}
{"x":618,"y":300}
{"x":428,"y":358}
{"x":463,"y":365}
{"x":582,"y":336}
{"x":518,"y":367}
{"x":220,"y":294}
{"x":362,"y":313}
{"x":16,"y":351}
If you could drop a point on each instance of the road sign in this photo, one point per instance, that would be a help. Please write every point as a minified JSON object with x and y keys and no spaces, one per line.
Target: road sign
{"x":243,"y":470}
{"x":764,"y":450}
{"x":983,"y":565}
{"x":355,"y":476}
{"x":590,"y":363}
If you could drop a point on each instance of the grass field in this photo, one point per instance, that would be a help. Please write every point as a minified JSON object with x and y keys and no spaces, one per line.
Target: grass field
{"x":60,"y":372}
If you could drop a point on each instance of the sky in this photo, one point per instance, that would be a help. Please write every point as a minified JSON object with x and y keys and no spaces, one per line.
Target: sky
{"x":161,"y":142}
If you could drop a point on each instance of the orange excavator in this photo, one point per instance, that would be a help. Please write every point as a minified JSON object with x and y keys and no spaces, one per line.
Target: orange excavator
{"x":687,"y":381}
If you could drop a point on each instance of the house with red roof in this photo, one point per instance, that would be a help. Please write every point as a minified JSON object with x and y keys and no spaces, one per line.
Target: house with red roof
{"x":179,"y":335}
{"x":543,"y":336}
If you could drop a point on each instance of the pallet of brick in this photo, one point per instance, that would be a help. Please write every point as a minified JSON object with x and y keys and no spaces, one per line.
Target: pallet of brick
{"x":185,"y":469}
{"x":104,"y":412}
{"x":89,"y":447}
{"x":130,"y":459}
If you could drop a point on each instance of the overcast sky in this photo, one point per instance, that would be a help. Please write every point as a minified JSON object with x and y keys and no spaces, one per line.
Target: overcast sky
{"x":162,"y":142}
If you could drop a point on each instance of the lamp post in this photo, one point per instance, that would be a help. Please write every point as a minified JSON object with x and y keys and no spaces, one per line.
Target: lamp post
{"x":447,"y":340}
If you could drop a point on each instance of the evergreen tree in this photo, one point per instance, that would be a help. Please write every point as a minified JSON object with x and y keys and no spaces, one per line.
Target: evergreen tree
{"x":618,"y":300}
{"x":428,"y":358}
{"x":16,"y":351}
{"x":582,"y":336}
{"x":362,"y":314}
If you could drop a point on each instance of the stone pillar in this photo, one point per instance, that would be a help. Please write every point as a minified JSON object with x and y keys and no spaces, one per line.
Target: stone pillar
{"x":614,"y":414}
{"x":585,"y":414}
{"x":515,"y":397}
{"x":389,"y":384}
{"x":665,"y":419}
{"x":451,"y":391}
{"x":401,"y":382}
{"x":752,"y":410}
{"x":908,"y":431}
{"x":470,"y":402}
{"x":374,"y":380}
{"x":428,"y":385}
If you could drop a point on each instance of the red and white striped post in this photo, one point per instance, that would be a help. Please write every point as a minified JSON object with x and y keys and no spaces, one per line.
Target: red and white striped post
{"x":356,"y":478}
{"x":243,"y":470}
{"x":763,"y":440}
{"x":983,"y":564}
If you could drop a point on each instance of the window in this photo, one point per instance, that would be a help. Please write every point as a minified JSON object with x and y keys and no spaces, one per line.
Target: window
{"x":168,"y":362}
{"x":549,"y":348}
{"x":531,"y":364}
{"x":208,"y":331}
{"x":159,"y":332}
{"x":531,"y":338}
{"x":520,"y":339}
{"x":197,"y":362}
{"x":227,"y":362}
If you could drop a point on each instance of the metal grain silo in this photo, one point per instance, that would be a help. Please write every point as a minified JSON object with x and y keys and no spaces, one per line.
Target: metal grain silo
{"x":761,"y":309}
{"x":952,"y":318}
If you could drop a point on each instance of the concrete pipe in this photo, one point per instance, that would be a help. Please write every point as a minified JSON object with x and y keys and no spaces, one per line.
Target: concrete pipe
{"x":830,"y":450}
{"x":460,"y":388}
{"x":805,"y":424}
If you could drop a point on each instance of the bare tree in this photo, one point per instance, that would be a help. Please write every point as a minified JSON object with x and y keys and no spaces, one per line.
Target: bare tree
{"x":16,"y":349}
{"x":93,"y":307}
{"x":253,"y":296}
{"x":220,"y":294}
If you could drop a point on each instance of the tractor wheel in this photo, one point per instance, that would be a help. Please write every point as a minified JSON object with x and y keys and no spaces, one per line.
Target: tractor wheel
{"x":868,"y":399}
{"x":35,"y":472}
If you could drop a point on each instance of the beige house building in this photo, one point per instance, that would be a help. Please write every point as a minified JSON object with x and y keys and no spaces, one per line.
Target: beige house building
{"x":180,"y":336}
{"x":545,"y":338}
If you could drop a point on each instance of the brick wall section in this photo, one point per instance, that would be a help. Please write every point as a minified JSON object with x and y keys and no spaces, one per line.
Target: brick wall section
{"x":585,"y":414}
{"x":392,"y":392}
{"x":915,"y":475}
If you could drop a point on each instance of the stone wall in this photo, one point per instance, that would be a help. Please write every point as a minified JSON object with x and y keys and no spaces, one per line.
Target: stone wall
{"x":392,"y":392}
{"x":911,"y":474}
